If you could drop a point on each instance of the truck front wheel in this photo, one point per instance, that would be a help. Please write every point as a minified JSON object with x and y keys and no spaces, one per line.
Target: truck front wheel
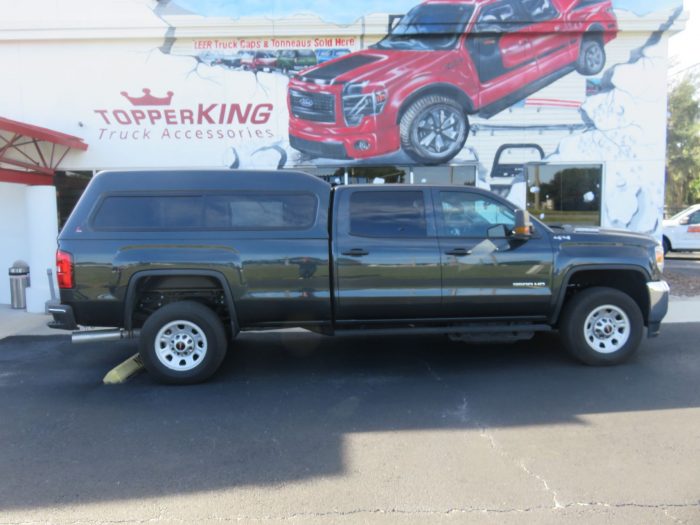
{"x":601,"y":326}
{"x":182,"y":343}
{"x":434,"y":129}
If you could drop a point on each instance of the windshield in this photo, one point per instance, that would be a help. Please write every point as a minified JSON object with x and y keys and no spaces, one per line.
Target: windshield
{"x":681,"y":214}
{"x":429,"y":27}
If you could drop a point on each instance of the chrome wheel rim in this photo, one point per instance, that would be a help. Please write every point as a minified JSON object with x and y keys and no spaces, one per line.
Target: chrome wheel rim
{"x":180,"y":345}
{"x":594,"y":58}
{"x":607,"y":329}
{"x":439,"y":131}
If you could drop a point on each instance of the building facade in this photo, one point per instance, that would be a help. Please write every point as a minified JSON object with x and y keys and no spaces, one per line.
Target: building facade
{"x":558,"y":105}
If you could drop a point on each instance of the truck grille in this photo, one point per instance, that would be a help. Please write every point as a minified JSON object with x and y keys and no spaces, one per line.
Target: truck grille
{"x":317,"y":107}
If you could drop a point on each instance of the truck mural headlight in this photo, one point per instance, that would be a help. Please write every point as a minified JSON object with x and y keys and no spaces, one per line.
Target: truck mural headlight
{"x":358,"y":105}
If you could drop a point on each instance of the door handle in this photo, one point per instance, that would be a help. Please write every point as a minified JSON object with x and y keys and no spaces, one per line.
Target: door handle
{"x":459,"y":252}
{"x":356,"y":252}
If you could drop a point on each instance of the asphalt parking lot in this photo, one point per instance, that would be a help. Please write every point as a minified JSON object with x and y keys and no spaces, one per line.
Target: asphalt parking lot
{"x":303,"y":429}
{"x":687,"y":263}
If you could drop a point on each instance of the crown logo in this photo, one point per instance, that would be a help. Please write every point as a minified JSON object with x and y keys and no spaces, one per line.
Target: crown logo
{"x":149,"y":100}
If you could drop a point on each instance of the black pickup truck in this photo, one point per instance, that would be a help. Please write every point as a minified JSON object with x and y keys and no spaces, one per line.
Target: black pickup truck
{"x":185,"y":260}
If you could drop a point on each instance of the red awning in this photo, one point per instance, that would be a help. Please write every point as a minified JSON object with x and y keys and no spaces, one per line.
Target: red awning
{"x":30,"y":154}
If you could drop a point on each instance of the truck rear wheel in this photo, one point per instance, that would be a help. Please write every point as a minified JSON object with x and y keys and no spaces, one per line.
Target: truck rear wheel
{"x":182,"y":343}
{"x":591,"y":59}
{"x":601,"y":326}
{"x":433,"y":129}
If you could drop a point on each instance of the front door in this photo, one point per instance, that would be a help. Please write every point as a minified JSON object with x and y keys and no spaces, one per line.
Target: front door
{"x":689,"y":234}
{"x":485,"y":272}
{"x":387,"y":263}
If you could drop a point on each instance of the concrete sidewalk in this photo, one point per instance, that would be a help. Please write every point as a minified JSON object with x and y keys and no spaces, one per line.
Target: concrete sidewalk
{"x":19,"y":322}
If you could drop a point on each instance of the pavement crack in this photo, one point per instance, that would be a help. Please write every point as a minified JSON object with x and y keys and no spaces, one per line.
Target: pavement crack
{"x":464,"y":413}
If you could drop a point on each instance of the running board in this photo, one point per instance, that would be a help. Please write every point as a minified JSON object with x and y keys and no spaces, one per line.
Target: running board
{"x":437,"y":330}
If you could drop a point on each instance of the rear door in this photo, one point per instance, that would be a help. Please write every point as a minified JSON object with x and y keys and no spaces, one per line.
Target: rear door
{"x":386,"y":257}
{"x":501,"y":53}
{"x":485,"y":273}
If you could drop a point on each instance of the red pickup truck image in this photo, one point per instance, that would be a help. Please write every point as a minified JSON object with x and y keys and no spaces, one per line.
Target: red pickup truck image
{"x":445,"y":60}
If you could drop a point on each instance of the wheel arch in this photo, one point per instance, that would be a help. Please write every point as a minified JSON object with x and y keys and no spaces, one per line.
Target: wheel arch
{"x":667,"y":240}
{"x":594,"y":31}
{"x":628,"y":279}
{"x":217,"y":277}
{"x":445,"y":89}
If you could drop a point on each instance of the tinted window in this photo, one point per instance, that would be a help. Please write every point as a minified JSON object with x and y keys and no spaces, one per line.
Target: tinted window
{"x":695,"y":218}
{"x":261,"y":211}
{"x":539,"y":10}
{"x":471,"y":215}
{"x":149,"y":212}
{"x":388,"y":214}
{"x":247,"y":211}
{"x":498,"y":18}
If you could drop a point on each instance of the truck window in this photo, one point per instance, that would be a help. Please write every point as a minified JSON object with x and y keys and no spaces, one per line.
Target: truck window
{"x":261,"y":211}
{"x":501,"y":17}
{"x":388,"y":214}
{"x":243,"y":211}
{"x":149,"y":212}
{"x":539,"y":10}
{"x":471,"y":215}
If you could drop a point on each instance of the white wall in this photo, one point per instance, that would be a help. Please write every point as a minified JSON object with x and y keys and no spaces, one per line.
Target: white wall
{"x":42,"y":229}
{"x":13,"y":233}
{"x":28,"y":229}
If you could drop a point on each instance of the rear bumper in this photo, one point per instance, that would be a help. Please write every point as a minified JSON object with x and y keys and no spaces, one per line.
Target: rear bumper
{"x":658,"y":305}
{"x":63,"y":318}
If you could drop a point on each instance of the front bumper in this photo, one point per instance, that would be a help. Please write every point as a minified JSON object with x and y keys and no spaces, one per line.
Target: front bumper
{"x":658,"y":305}
{"x":63,"y":318}
{"x":336,"y":142}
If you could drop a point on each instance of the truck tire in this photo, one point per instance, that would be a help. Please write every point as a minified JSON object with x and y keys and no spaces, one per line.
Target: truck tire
{"x":182,"y":343}
{"x":591,"y":58}
{"x":667,"y":245}
{"x":601,"y":326}
{"x":433,"y":129}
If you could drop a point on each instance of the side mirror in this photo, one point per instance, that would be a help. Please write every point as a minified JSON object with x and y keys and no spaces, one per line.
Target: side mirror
{"x":523,"y":227}
{"x":684,"y":221}
{"x":500,"y":231}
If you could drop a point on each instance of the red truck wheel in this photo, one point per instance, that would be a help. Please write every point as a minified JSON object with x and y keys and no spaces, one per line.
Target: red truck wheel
{"x":434,"y":129}
{"x":591,"y":60}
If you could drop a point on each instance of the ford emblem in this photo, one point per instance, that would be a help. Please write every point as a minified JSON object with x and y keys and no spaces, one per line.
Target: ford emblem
{"x":306,"y":102}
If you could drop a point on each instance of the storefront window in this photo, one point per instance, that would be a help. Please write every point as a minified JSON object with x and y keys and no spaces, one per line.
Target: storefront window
{"x":445,"y":175}
{"x":565,"y":194}
{"x":332,"y":175}
{"x":379,"y":175}
{"x":437,"y":175}
{"x":69,"y":187}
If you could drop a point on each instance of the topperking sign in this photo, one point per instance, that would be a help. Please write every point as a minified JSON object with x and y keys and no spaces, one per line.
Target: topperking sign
{"x":151,"y":117}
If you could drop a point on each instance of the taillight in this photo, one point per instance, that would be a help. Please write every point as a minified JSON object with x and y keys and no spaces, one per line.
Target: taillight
{"x":64,"y":270}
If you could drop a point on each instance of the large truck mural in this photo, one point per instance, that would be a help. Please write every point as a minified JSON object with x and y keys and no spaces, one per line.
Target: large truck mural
{"x":444,"y":61}
{"x":559,"y":105}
